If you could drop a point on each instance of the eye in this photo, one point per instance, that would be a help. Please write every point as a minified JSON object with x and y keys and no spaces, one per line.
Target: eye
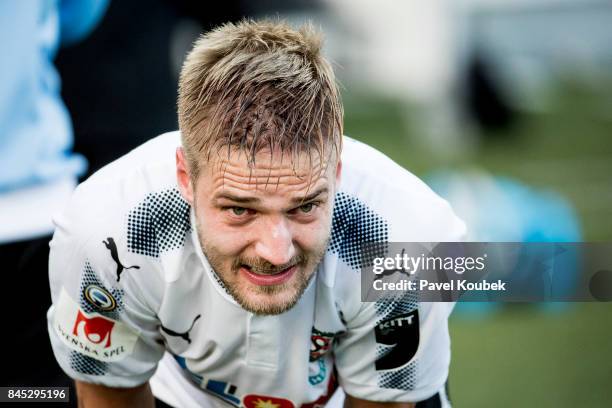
{"x":239,"y":211}
{"x":306,"y":208}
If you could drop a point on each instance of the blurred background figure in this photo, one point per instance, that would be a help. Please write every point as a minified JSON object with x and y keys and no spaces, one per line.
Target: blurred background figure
{"x":38,"y":168}
{"x":38,"y":171}
{"x":423,"y":77}
{"x":501,"y":209}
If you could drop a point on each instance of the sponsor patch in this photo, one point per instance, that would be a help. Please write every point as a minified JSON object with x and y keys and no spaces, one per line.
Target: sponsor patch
{"x":100,"y":298}
{"x":401,"y":335}
{"x":263,"y":401}
{"x":320,"y":343}
{"x":92,"y":334}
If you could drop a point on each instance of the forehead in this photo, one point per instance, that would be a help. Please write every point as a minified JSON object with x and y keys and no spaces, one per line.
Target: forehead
{"x":271,"y":171}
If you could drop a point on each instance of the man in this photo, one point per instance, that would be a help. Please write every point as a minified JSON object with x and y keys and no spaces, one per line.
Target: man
{"x":232,"y":250}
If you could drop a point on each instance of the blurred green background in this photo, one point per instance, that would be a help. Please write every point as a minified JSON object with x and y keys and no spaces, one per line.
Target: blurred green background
{"x":524,"y":356}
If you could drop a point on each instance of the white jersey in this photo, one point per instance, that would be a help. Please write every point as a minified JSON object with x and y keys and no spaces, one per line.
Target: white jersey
{"x":130,"y":284}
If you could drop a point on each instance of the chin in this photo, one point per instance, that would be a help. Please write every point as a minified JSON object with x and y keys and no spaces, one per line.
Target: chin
{"x":269,"y":300}
{"x":267,"y":307}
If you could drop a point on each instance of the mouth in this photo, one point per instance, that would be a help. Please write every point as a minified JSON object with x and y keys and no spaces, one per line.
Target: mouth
{"x":267,"y":280}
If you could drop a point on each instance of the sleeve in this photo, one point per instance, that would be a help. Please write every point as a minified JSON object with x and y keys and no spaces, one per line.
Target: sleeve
{"x":102,"y":322}
{"x":398,"y":349}
{"x":395,"y":350}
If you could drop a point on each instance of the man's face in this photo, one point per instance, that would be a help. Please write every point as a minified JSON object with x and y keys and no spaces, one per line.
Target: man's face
{"x":263,"y":229}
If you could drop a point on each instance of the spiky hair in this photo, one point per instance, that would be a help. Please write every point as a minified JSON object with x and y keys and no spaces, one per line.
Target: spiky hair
{"x":255,"y":85}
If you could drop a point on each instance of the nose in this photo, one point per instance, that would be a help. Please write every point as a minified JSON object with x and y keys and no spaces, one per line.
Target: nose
{"x":275,"y":241}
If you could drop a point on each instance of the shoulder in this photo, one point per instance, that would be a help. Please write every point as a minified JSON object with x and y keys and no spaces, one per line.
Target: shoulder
{"x":130,"y":210}
{"x":379,"y":202}
{"x":382,"y":193}
{"x":109,"y":194}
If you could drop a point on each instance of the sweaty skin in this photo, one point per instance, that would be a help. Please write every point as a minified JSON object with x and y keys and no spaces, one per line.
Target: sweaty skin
{"x":264,"y":228}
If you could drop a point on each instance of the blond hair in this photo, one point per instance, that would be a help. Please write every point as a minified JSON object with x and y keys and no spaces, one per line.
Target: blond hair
{"x":255,"y":85}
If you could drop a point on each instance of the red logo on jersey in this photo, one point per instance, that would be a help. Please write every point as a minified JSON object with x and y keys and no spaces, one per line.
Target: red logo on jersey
{"x":262,"y":401}
{"x":320,"y":343}
{"x":96,"y":329}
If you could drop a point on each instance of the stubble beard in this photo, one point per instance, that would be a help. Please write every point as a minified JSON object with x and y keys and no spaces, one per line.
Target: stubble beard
{"x":259,"y":299}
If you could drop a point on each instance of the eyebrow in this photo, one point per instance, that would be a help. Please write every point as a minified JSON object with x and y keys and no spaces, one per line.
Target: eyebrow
{"x":309,"y":197}
{"x":253,"y":200}
{"x":237,"y":199}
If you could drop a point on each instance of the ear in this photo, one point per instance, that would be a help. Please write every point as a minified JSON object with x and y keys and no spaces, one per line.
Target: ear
{"x":183,"y":177}
{"x":338,"y":173}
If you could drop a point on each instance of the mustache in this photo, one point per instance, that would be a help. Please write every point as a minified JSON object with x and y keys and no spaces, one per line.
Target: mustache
{"x":263,"y":267}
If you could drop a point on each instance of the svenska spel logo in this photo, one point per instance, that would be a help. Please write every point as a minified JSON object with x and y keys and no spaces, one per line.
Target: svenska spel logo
{"x":96,"y":329}
{"x":92,"y":334}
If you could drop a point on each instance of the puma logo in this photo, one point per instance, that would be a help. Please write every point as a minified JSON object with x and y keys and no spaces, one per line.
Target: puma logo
{"x":112,"y":247}
{"x":184,"y":335}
